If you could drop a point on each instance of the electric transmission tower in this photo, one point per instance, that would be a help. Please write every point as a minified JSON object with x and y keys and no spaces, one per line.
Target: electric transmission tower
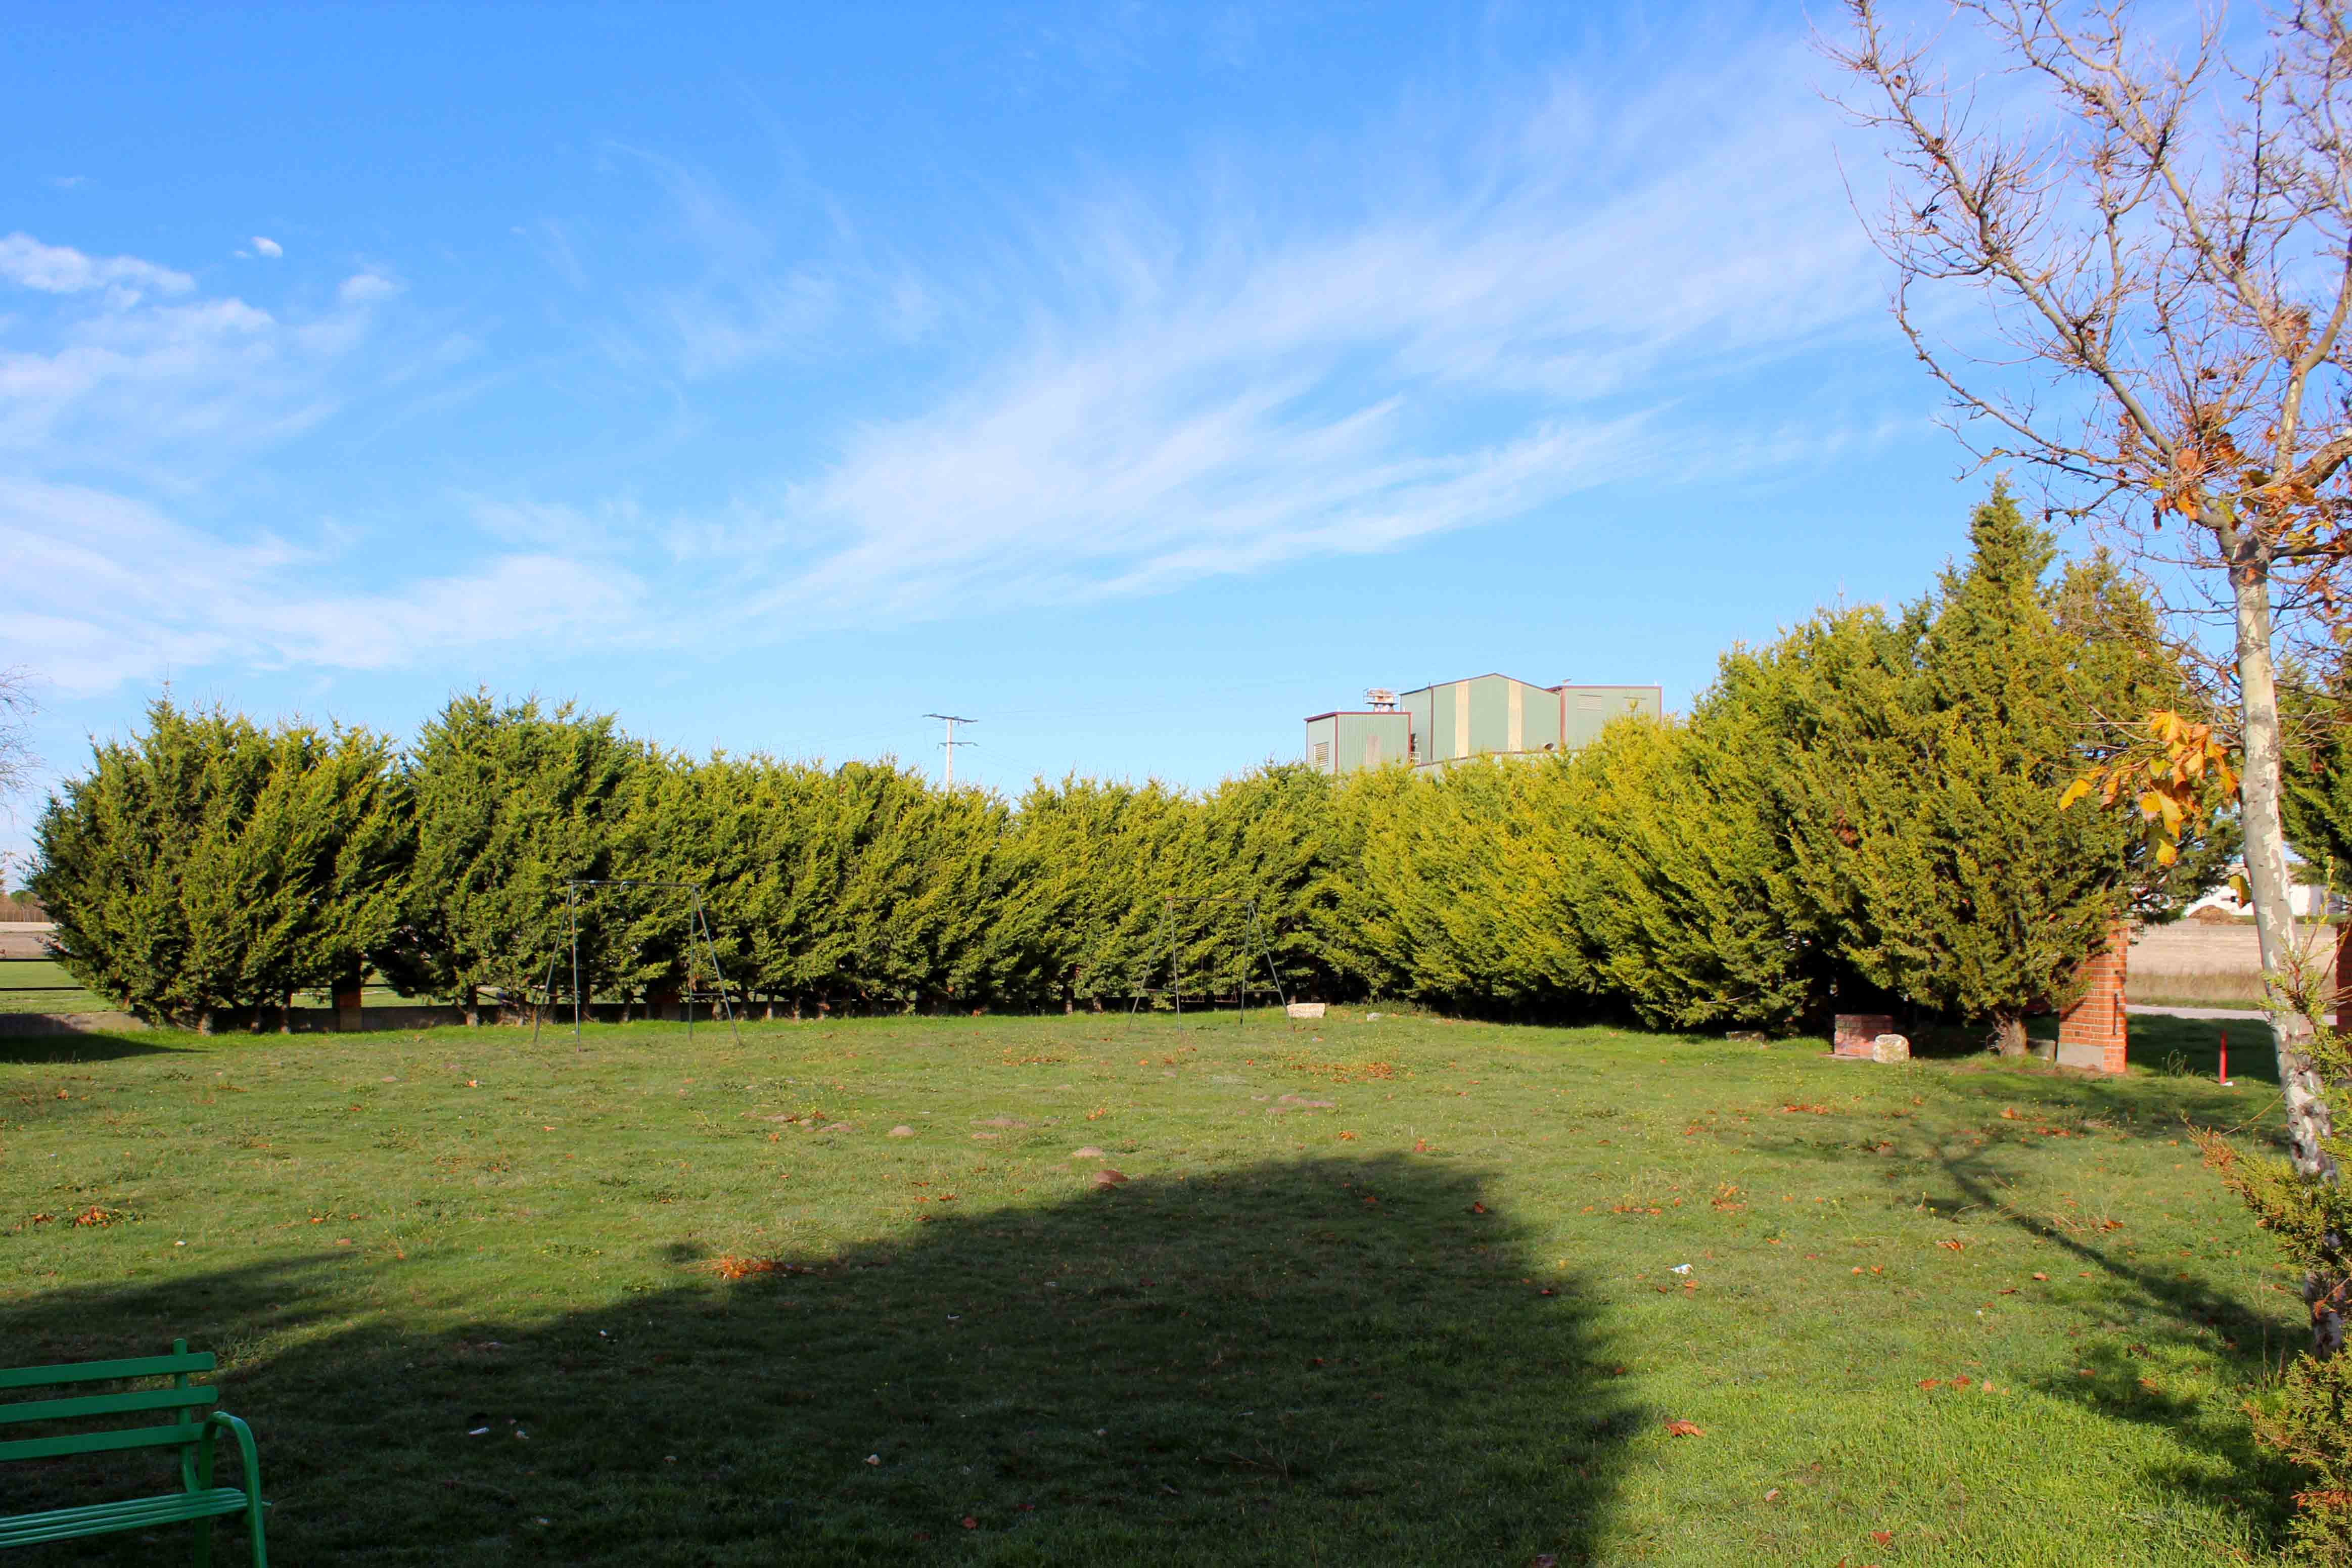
{"x":951,"y":720}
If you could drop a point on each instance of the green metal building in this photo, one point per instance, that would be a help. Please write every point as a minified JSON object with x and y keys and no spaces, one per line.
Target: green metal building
{"x":1487,"y":715}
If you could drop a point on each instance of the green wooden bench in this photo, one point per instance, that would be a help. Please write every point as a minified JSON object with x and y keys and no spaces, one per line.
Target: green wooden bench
{"x":197,"y":1500}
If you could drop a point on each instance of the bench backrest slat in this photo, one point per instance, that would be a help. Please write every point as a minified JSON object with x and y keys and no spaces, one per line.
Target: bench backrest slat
{"x":107,"y":1404}
{"x":175,"y":1435}
{"x":107,"y":1371}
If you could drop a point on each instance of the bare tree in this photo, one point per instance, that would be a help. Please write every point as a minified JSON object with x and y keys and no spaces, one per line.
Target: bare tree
{"x":16,"y":759}
{"x":16,"y":710}
{"x":2157,"y":229}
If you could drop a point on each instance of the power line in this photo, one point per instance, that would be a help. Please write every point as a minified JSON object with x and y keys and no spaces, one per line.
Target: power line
{"x":951,"y":720}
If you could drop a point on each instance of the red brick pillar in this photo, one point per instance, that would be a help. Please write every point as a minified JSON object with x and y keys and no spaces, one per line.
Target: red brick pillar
{"x":2093,"y":1032}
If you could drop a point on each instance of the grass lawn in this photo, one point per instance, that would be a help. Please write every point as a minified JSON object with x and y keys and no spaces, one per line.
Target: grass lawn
{"x":1393,"y":1292}
{"x":37,"y":985}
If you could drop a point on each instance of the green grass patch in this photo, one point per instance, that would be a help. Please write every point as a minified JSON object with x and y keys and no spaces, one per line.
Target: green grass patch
{"x":2194,"y":990}
{"x":38,"y":985}
{"x":1392,"y":1292}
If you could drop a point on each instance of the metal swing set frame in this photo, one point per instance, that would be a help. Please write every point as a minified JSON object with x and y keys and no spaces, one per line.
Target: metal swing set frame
{"x":1254,"y":932}
{"x":698,"y":930}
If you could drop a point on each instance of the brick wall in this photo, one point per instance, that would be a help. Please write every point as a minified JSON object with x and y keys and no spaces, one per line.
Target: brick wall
{"x":2095,"y":1029}
{"x":1853,"y":1034}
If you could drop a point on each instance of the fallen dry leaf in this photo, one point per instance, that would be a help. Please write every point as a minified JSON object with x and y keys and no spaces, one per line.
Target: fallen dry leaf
{"x":1477,"y":1208}
{"x":1684,"y":1429}
{"x":2041,"y":1276}
{"x":1881,"y":1536}
{"x":1106,"y":1178}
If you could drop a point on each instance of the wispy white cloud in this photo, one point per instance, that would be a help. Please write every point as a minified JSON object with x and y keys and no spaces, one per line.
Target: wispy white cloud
{"x":1474,"y":318}
{"x":151,"y":594}
{"x":135,"y":373}
{"x":268,"y":247}
{"x":366,"y":288}
{"x":133,"y":369}
{"x":1197,"y":388}
{"x":60,"y":269}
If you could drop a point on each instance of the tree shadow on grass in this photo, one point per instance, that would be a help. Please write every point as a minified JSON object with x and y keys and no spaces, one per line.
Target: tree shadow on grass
{"x":1331,"y":1359}
{"x":2148,"y":1347}
{"x":64,"y":1050}
{"x":2149,"y":1104}
{"x":2139,"y":1372}
{"x":2190,"y":1049}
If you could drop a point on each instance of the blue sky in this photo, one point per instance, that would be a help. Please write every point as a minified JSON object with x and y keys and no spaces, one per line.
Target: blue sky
{"x":1136,"y":379}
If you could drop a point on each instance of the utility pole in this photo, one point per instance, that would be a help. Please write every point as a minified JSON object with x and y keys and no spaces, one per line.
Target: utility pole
{"x":951,"y":720}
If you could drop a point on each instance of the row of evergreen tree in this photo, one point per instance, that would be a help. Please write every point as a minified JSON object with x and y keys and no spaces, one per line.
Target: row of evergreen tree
{"x":1866,"y":808}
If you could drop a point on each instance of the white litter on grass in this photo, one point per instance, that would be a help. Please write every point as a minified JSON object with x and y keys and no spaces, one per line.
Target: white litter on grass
{"x":479,"y":1432}
{"x":1682,"y":1268}
{"x":873,"y":1458}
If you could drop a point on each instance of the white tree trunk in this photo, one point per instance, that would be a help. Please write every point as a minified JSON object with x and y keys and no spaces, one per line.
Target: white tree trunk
{"x":2308,"y":1120}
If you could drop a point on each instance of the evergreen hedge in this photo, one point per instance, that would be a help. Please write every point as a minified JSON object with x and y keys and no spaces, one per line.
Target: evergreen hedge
{"x":1862,"y":813}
